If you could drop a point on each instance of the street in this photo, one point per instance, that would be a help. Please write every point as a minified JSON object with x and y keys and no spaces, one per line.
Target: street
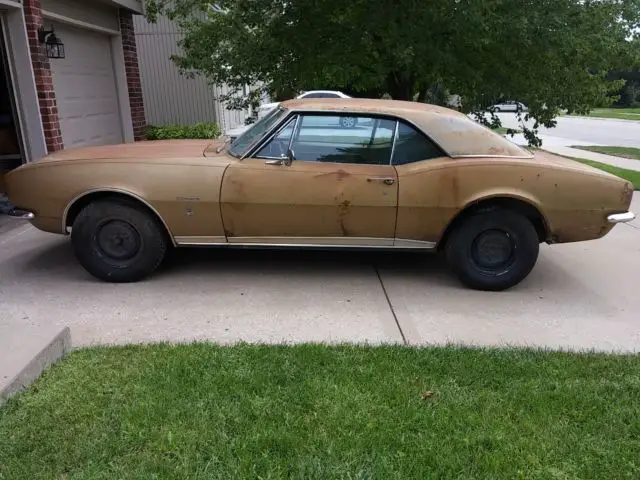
{"x":584,"y":131}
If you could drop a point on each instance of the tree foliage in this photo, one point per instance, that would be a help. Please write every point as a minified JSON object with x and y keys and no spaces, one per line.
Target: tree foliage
{"x":549,"y":54}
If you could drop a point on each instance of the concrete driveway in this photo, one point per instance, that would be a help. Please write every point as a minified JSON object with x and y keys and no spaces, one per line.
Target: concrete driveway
{"x":582,"y":295}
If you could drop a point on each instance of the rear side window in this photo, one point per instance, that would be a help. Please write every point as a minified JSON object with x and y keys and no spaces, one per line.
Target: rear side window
{"x":413,"y":146}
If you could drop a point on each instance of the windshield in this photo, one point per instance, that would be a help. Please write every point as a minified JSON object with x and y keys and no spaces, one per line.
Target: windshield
{"x":251,"y":136}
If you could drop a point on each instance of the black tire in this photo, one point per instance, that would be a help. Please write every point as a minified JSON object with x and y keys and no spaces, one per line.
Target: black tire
{"x":483,"y":266}
{"x":118,"y":241}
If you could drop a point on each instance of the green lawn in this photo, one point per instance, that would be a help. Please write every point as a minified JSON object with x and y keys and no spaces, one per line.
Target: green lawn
{"x":625,"y":152}
{"x":504,"y":131}
{"x":620,"y":113}
{"x":316,"y":412}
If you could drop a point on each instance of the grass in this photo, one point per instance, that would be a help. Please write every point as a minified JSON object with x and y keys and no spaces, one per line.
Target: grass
{"x":504,"y":131}
{"x":631,"y":175}
{"x":620,"y":113}
{"x":624,"y":152}
{"x":316,"y":412}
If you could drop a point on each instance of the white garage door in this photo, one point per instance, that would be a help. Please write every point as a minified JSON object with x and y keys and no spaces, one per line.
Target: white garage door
{"x":85,"y":89}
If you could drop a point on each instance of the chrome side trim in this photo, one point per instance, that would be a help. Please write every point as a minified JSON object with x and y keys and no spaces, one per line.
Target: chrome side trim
{"x":419,"y":244}
{"x":307,"y":242}
{"x":113,"y":190}
{"x":494,"y":156}
{"x":315,"y":241}
{"x":19,"y":213}
{"x":621,"y":217}
{"x":200,"y":240}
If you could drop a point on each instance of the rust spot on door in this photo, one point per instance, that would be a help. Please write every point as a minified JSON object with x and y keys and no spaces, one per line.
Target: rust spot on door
{"x":340,"y":174}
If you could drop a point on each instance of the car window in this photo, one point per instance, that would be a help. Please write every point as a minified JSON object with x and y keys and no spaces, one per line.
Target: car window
{"x":338,"y":139}
{"x":254,"y":134}
{"x":279,"y":144}
{"x":413,"y":146}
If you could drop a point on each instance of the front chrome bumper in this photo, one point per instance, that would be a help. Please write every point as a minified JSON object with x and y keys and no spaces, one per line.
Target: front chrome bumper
{"x":19,"y":213}
{"x":621,"y":217}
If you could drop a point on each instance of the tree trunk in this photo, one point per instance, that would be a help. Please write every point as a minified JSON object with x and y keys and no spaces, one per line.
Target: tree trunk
{"x":398,"y":87}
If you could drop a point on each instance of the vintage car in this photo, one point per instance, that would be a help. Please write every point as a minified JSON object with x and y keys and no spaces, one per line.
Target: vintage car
{"x":409,"y":176}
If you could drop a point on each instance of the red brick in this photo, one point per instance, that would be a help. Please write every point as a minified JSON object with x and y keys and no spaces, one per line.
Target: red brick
{"x":134,"y":85}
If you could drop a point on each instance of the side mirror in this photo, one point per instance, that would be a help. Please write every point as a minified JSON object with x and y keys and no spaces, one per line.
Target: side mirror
{"x":283,"y":160}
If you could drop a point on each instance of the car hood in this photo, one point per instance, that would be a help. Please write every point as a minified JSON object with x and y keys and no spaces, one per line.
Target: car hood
{"x":145,"y":150}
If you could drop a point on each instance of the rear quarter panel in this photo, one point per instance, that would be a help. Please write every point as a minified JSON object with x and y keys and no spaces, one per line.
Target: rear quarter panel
{"x":573,"y":201}
{"x":185,"y":194}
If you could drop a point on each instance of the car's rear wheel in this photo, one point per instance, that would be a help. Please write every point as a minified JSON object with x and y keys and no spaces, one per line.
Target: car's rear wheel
{"x":493,"y":250}
{"x":118,"y":241}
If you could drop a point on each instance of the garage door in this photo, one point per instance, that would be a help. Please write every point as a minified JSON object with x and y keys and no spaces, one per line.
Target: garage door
{"x":85,"y":87}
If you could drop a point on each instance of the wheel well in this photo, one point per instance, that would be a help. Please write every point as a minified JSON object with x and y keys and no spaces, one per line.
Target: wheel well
{"x":512,"y":204}
{"x":76,"y":207}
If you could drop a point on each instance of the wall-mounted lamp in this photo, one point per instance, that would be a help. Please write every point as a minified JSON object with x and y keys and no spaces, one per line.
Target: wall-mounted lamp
{"x":54,"y":46}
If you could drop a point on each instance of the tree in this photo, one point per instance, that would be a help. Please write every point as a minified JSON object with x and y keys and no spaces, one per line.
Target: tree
{"x":629,"y":94}
{"x":549,"y":54}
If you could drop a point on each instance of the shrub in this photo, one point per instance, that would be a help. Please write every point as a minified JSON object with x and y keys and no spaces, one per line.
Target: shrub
{"x":204,"y":130}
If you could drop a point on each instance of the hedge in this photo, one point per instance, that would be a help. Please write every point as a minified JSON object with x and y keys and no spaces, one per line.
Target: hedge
{"x":204,"y":130}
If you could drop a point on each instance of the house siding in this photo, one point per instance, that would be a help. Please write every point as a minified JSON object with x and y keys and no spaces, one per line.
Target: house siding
{"x":93,"y":13}
{"x":169,"y":96}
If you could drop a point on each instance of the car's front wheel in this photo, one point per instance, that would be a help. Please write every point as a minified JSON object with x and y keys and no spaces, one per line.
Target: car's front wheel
{"x":118,"y":241}
{"x":493,"y":250}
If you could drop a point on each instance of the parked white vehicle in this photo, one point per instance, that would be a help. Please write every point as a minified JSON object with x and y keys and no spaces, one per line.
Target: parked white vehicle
{"x":509,"y":106}
{"x":267,"y":107}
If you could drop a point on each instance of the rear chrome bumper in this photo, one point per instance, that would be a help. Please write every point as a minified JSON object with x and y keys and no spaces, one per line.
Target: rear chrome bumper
{"x":621,"y":217}
{"x":19,"y":213}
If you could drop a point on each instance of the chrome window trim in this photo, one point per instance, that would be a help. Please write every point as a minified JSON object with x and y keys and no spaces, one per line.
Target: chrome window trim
{"x":274,"y":134}
{"x":360,"y":113}
{"x":395,"y":139}
{"x":268,"y":135}
{"x":327,"y":113}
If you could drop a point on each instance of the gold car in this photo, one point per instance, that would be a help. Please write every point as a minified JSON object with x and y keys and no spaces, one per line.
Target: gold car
{"x":397,"y":175}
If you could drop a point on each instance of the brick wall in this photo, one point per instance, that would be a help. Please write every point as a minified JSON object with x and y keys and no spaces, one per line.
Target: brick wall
{"x":42,"y":73}
{"x":134,"y":84}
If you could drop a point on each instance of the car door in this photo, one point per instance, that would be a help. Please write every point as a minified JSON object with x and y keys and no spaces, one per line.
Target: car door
{"x":338,"y":189}
{"x":426,"y":185}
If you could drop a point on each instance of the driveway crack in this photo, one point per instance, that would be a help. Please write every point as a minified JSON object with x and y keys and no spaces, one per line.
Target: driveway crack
{"x":393,"y":311}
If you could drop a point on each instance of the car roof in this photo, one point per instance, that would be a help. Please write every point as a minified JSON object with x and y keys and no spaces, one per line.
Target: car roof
{"x":456,"y":133}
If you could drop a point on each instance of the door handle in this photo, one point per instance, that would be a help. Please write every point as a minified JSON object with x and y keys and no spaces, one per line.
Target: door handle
{"x":385,"y":180}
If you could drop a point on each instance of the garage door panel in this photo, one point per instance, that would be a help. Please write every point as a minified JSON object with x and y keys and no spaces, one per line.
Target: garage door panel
{"x":85,"y":88}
